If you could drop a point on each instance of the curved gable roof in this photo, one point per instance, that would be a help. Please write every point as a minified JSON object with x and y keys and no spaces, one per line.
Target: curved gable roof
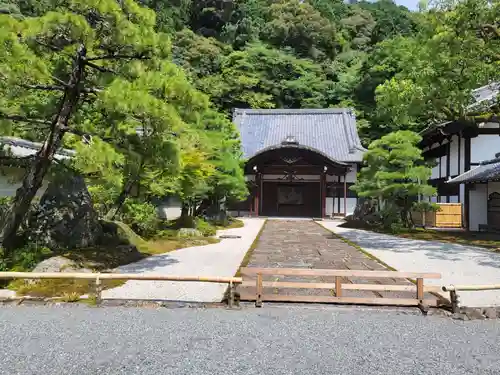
{"x":330,"y":131}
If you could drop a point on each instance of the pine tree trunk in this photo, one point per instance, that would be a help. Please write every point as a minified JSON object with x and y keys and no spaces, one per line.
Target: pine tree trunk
{"x":37,"y":170}
{"x":127,"y":188}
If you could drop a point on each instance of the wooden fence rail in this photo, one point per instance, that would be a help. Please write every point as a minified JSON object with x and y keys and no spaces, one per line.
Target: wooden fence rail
{"x":98,"y":277}
{"x":453,"y":289}
{"x":253,"y":277}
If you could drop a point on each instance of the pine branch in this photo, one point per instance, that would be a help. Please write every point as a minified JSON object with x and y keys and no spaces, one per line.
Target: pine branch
{"x":24,"y":119}
{"x":100,"y":68}
{"x":140,"y":56}
{"x":43,"y":87}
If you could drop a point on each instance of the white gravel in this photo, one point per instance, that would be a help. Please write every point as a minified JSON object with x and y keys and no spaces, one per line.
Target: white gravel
{"x":267,"y":341}
{"x":222,"y":260}
{"x":458,"y":264}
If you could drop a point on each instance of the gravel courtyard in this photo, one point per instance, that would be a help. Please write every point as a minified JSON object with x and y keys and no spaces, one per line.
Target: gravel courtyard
{"x":221,"y":259}
{"x":458,"y":264}
{"x":272,"y":340}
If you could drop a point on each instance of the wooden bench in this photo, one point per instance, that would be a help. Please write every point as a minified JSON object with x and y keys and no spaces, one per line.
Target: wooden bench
{"x":252,"y":277}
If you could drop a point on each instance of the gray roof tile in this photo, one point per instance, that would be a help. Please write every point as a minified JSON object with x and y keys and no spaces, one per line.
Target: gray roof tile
{"x":19,"y":147}
{"x":486,"y":171}
{"x":331,"y":131}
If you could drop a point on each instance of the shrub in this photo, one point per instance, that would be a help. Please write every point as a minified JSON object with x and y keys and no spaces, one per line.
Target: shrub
{"x":142,"y":217}
{"x":24,"y":259}
{"x":205,"y":227}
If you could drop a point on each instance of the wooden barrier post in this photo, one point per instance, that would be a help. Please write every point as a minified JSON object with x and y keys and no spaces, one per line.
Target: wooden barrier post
{"x":98,"y":289}
{"x":338,"y":286}
{"x":420,"y":296}
{"x":258,"y":301}
{"x":454,"y":301}
{"x":231,"y":294}
{"x":420,"y":289}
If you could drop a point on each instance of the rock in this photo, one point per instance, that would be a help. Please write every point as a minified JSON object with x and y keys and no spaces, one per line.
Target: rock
{"x":59,"y":264}
{"x":66,"y":218}
{"x":56,"y":264}
{"x":490,"y":312}
{"x":189,"y":232}
{"x":7,"y":294}
{"x":474,"y":313}
{"x":460,"y":316}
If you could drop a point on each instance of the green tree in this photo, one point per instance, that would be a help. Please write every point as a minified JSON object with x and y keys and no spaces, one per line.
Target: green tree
{"x":263,"y":77}
{"x":457,"y":51}
{"x":391,"y":20}
{"x":87,"y":69}
{"x":395,"y":174}
{"x":296,"y":24}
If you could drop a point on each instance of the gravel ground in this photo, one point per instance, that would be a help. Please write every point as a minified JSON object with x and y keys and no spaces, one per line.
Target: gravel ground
{"x":221,"y":260}
{"x":458,"y":264}
{"x":273,"y":340}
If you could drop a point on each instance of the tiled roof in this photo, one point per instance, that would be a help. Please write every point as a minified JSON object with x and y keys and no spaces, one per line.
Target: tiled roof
{"x":21,"y":147}
{"x":330,"y":131}
{"x":486,"y":171}
{"x":485,"y":94}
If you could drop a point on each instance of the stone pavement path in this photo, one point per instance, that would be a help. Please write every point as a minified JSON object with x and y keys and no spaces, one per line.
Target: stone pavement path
{"x":305,"y":244}
{"x":221,"y":259}
{"x":458,"y":264}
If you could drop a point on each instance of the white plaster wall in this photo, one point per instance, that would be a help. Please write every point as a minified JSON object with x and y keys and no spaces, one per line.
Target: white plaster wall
{"x":332,"y":205}
{"x":454,"y":156}
{"x":352,"y":175}
{"x":351,"y":205}
{"x":454,"y":199}
{"x":478,"y":206}
{"x":435,"y":170}
{"x":8,"y":186}
{"x":444,"y":160}
{"x":491,"y":125}
{"x":250,"y":177}
{"x":462,"y":155}
{"x":170,"y":209}
{"x":329,"y":206}
{"x":484,"y":147}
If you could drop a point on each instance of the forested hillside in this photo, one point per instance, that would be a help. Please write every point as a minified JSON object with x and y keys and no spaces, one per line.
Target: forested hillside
{"x":177,"y":69}
{"x":398,"y":69}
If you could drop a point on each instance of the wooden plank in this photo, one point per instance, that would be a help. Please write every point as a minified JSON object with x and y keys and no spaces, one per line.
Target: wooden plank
{"x":338,"y":286}
{"x":116,"y":276}
{"x":341,"y":300}
{"x":368,"y":287}
{"x":251,"y":271}
{"x":289,"y":285}
{"x":258,"y":301}
{"x":420,"y":289}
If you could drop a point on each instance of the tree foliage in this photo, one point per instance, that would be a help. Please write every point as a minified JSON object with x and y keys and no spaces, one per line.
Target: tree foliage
{"x":97,"y":77}
{"x":395,"y":174}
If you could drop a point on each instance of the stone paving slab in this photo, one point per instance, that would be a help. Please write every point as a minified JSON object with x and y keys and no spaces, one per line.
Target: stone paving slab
{"x":305,"y":244}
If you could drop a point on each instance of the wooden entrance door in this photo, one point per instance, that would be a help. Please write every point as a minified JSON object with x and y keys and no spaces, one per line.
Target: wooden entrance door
{"x":301,"y":199}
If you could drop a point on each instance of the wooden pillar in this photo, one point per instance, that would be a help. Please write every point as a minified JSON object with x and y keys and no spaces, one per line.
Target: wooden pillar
{"x":345,"y":194}
{"x":323,"y":194}
{"x":257,"y":193}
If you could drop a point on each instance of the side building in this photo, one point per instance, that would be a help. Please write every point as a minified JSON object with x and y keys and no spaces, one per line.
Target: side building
{"x":458,"y":147}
